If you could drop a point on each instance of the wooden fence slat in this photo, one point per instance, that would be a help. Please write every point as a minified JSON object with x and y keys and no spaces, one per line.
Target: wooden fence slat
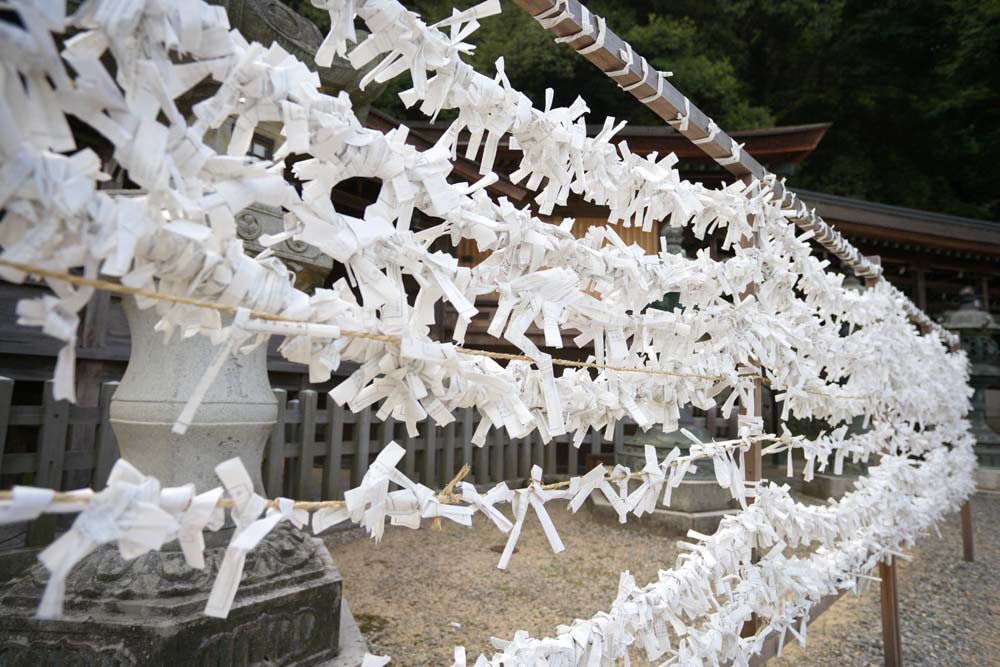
{"x":595,"y":442}
{"x":6,"y":395}
{"x":891,"y":639}
{"x":52,"y":440}
{"x":307,"y":439}
{"x":274,"y":464}
{"x":105,"y":441}
{"x":410,"y":459}
{"x":386,"y":433}
{"x":537,"y":450}
{"x":430,"y":455}
{"x":524,"y":457}
{"x":467,"y":430}
{"x":482,"y":467}
{"x":362,"y":445}
{"x":449,"y":451}
{"x":332,"y":486}
{"x":550,"y":467}
{"x":573,"y":457}
{"x":496,"y":442}
{"x":968,"y":547}
{"x":51,"y":457}
{"x":510,"y":454}
{"x":293,"y":448}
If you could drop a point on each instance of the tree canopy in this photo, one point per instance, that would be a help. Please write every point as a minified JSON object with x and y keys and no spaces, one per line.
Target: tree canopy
{"x":911,"y":86}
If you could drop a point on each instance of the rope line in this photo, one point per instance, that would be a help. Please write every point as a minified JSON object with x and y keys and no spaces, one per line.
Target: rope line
{"x":446,"y":496}
{"x":118,"y":288}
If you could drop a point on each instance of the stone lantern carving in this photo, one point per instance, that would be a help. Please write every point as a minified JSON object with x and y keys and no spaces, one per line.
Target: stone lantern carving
{"x":977,"y":330}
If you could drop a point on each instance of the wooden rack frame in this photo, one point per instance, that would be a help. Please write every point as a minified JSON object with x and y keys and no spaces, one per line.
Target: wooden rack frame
{"x":589,"y":35}
{"x":615,"y":57}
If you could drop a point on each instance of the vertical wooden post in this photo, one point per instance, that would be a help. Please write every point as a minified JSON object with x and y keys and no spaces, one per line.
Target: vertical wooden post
{"x":449,"y":450}
{"x":892,"y":645}
{"x":6,"y":396}
{"x":510,"y":455}
{"x":551,"y":457}
{"x":537,"y":450}
{"x":573,"y":457}
{"x":362,"y":445}
{"x":468,"y":429}
{"x":496,"y":442}
{"x":968,"y":550}
{"x":753,"y":464}
{"x":307,"y":441}
{"x":333,"y":488}
{"x":274,"y":465}
{"x":51,"y":458}
{"x":482,"y":468}
{"x":524,"y":458}
{"x":430,"y":454}
{"x":105,"y":442}
{"x":410,"y":459}
{"x":891,"y":640}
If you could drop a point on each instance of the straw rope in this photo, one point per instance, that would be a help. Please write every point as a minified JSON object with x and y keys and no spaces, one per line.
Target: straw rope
{"x":446,"y":496}
{"x":118,"y":288}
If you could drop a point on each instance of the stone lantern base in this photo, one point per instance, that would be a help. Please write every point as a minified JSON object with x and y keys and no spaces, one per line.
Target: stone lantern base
{"x":149,"y":612}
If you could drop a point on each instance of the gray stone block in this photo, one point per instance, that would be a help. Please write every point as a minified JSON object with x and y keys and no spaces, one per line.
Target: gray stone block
{"x":829,"y":486}
{"x":148,"y":612}
{"x":666,"y":522}
{"x":988,"y":479}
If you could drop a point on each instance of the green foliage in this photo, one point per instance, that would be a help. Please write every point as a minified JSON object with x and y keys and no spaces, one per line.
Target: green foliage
{"x":911,"y":86}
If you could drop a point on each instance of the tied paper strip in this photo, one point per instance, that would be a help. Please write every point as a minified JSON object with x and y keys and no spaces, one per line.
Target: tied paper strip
{"x":534,"y":496}
{"x":55,"y":217}
{"x":247,"y":506}
{"x":143,"y":244}
{"x":127,"y":512}
{"x":596,"y":479}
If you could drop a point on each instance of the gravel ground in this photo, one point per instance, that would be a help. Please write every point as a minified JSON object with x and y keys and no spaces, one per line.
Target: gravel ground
{"x":949,"y":609}
{"x":408,"y":592}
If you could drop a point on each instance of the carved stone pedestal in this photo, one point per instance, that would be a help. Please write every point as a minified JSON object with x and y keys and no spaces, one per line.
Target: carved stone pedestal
{"x":699,"y":503}
{"x":148,"y":612}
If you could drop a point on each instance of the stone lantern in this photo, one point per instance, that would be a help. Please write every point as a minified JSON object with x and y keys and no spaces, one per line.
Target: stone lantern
{"x":977,"y":330}
{"x":149,"y":611}
{"x":699,"y":503}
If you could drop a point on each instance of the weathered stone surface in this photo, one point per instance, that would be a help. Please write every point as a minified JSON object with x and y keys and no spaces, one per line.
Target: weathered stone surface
{"x":829,"y":486}
{"x":234,"y":419}
{"x":148,"y":611}
{"x":662,"y":521}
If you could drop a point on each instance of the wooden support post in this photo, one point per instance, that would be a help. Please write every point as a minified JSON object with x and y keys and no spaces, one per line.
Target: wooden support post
{"x":891,"y":639}
{"x":753,"y":465}
{"x":333,"y":487}
{"x":6,"y":398}
{"x":51,"y":459}
{"x":362,"y":445}
{"x":968,"y":549}
{"x":892,"y":645}
{"x":104,"y":440}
